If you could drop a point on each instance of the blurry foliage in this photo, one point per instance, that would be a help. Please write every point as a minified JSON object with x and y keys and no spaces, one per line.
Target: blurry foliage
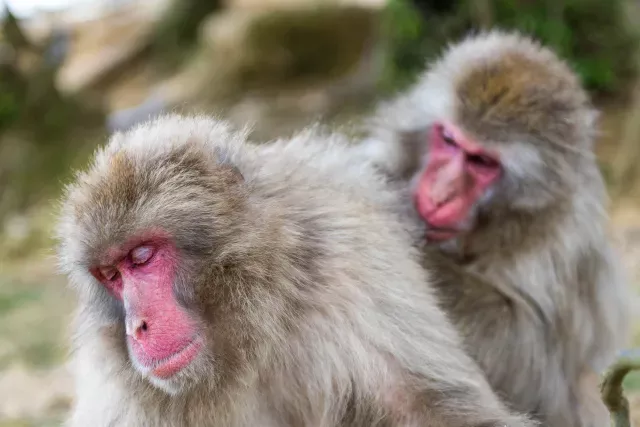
{"x":40,"y":133}
{"x":414,"y":36}
{"x":593,"y":35}
{"x":40,"y":129}
{"x":13,"y":33}
{"x":10,"y":101}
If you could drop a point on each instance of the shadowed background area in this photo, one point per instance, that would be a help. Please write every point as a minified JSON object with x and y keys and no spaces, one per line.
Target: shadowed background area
{"x":73,"y":71}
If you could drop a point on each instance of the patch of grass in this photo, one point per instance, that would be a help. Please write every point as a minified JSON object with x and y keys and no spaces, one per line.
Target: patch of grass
{"x":42,"y":353}
{"x":38,"y":234}
{"x":34,"y":313}
{"x":31,"y":423}
{"x":11,"y":301}
{"x":632,"y":381}
{"x":16,"y":423}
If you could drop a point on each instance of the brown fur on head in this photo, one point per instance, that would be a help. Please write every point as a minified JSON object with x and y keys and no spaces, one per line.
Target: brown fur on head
{"x":230,"y":284}
{"x":524,"y":91}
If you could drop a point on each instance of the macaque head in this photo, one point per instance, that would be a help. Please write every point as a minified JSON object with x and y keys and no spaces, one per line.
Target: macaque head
{"x":500,"y":128}
{"x":140,"y":233}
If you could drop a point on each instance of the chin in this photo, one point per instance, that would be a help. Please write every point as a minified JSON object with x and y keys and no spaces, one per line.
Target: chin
{"x":174,"y":386}
{"x":177,"y":373}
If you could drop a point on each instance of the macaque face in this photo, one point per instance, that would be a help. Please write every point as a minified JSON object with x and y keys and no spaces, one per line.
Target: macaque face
{"x":458,"y":173}
{"x":162,"y":338}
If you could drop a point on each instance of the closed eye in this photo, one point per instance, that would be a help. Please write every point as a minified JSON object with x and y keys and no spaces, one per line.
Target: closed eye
{"x":481,"y":160}
{"x":448,"y":138}
{"x":141,"y":255}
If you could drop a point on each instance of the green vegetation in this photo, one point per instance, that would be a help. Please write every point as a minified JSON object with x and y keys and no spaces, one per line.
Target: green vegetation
{"x":33,"y":423}
{"x":41,"y":130}
{"x":632,"y":381}
{"x":10,"y":101}
{"x":28,"y":332}
{"x":412,"y":39}
{"x":593,"y":35}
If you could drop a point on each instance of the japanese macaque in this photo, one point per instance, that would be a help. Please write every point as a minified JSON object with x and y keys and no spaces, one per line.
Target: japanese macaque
{"x":494,"y":143}
{"x":229,"y":284}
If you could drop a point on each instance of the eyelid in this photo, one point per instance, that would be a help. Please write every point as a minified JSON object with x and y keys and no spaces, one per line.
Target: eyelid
{"x":482,"y":160}
{"x":447,"y":137}
{"x":141,"y":254}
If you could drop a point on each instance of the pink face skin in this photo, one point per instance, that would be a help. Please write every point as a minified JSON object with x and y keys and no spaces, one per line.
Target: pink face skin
{"x":162,"y":338}
{"x":457,"y":174}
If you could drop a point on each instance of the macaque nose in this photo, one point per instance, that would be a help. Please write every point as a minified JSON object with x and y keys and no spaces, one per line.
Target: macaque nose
{"x":448,"y":182}
{"x":136,"y":328}
{"x":443,"y":190}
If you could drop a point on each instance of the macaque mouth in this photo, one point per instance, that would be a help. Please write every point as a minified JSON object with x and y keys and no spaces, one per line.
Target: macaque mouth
{"x":436,"y":231}
{"x":169,"y":366}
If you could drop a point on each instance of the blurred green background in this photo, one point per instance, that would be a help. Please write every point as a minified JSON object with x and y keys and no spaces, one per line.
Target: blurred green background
{"x":73,"y":71}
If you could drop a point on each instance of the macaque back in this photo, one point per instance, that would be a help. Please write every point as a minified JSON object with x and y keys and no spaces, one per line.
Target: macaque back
{"x":222,"y":283}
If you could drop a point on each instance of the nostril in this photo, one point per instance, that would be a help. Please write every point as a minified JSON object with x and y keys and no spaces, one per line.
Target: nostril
{"x":135,"y":328}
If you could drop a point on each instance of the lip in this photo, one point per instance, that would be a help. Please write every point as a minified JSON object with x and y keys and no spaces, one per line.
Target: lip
{"x":168,"y":367}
